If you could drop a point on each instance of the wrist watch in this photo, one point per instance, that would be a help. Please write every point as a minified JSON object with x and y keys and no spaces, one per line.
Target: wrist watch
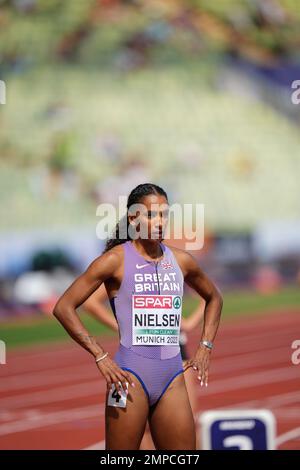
{"x":207,"y":344}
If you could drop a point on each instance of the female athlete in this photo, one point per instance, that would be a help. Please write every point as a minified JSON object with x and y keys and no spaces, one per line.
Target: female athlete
{"x":144,"y":280}
{"x":95,"y":305}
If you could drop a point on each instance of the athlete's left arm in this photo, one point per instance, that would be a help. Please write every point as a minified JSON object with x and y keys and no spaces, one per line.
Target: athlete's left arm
{"x":200,"y":282}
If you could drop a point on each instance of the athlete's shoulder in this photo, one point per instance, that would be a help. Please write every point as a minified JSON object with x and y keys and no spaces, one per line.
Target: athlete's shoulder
{"x":183,"y":258}
{"x":109,"y":261}
{"x":115,"y":255}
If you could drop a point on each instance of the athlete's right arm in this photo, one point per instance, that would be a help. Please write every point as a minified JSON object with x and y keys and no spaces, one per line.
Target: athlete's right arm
{"x":102,"y":268}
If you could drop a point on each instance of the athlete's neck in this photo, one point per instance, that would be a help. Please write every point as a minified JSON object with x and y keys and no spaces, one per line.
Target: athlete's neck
{"x":148,"y":248}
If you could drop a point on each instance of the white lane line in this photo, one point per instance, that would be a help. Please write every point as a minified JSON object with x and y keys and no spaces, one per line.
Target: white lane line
{"x":94,"y":387}
{"x":48,"y":419}
{"x":39,"y":419}
{"x":98,"y":446}
{"x":61,"y":394}
{"x":244,"y":344}
{"x":288,"y":414}
{"x":288,"y":436}
{"x":277,"y":321}
{"x":23,"y":366}
{"x":284,"y":398}
{"x":267,"y":401}
{"x":249,"y":380}
{"x":280,"y":440}
{"x":251,"y":360}
{"x":43,"y":378}
{"x":17,"y":365}
{"x":21,"y":362}
{"x":15,"y":416}
{"x":75,"y":373}
{"x":63,"y":416}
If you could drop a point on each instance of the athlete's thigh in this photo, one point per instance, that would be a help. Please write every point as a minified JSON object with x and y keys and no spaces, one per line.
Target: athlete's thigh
{"x":171,"y":419}
{"x":192,"y":386}
{"x":124,"y":427}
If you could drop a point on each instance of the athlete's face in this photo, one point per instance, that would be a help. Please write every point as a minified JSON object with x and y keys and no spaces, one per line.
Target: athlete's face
{"x":151,"y":217}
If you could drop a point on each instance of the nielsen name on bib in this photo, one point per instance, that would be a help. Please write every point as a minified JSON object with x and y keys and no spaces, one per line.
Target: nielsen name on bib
{"x":156,"y":320}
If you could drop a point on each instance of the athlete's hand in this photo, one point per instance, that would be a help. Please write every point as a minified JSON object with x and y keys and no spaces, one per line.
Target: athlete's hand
{"x":114,"y":375}
{"x":200,"y":363}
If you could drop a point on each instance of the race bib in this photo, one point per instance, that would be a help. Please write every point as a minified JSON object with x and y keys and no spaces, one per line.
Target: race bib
{"x":117,"y":399}
{"x":156,"y":320}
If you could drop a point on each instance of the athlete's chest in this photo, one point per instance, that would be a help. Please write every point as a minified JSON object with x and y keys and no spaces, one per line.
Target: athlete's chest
{"x":156,"y":278}
{"x":152,"y":281}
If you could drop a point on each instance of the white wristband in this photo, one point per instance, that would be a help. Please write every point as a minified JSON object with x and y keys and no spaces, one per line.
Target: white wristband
{"x":102,"y":357}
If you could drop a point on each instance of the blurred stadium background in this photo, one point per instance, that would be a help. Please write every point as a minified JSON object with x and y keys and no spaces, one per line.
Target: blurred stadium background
{"x":101,"y":96}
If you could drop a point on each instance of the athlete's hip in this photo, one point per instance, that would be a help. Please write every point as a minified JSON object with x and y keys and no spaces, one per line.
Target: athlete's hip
{"x":148,"y":356}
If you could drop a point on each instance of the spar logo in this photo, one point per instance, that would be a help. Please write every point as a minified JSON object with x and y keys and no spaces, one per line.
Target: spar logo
{"x":152,"y":301}
{"x":156,"y":301}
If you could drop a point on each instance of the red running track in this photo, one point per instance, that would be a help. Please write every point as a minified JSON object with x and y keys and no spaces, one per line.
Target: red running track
{"x":52,"y":396}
